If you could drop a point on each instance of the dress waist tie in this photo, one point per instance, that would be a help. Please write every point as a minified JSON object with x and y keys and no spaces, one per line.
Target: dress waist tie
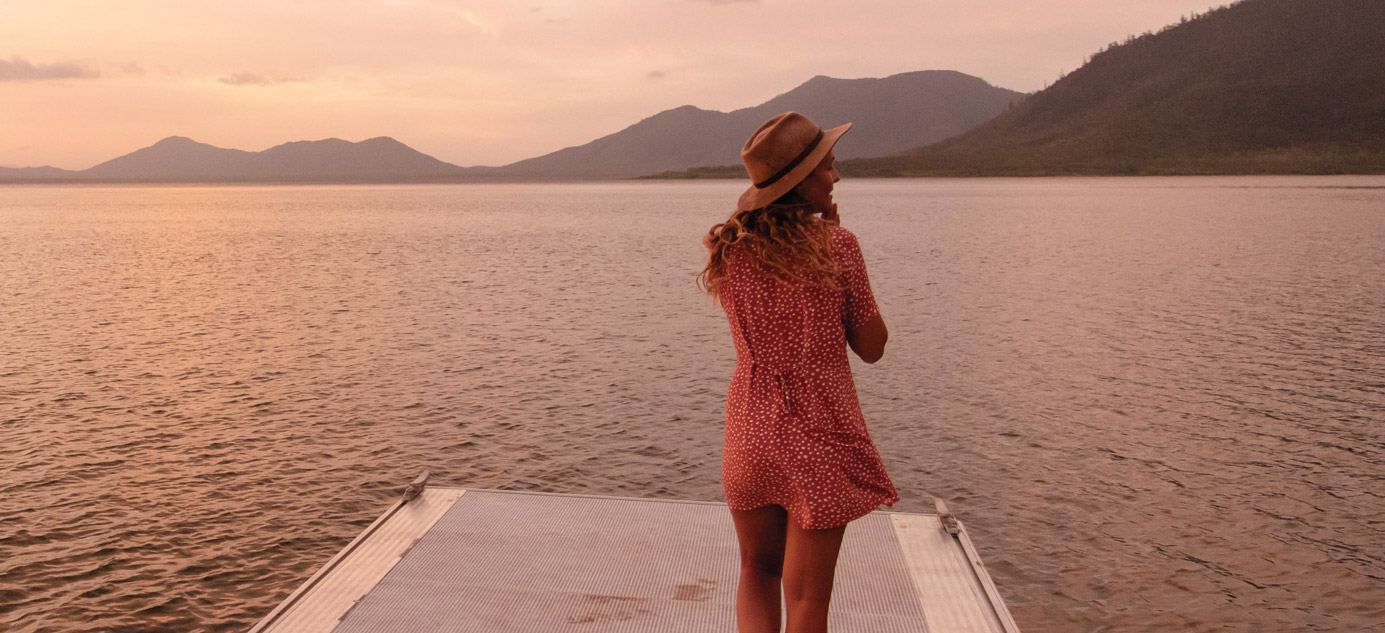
{"x":783,"y":381}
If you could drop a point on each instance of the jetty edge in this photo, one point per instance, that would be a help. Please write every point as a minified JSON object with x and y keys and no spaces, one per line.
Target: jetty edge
{"x":446,"y":558}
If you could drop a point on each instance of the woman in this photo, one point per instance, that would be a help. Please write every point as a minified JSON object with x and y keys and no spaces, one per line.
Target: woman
{"x":797,"y":463}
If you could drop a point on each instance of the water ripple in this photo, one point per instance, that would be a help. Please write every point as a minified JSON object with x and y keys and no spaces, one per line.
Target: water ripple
{"x":1156,"y":402}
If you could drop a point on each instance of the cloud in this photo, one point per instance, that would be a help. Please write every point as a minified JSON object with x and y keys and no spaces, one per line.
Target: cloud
{"x":256,"y":79}
{"x":472,"y":19}
{"x":19,"y":69}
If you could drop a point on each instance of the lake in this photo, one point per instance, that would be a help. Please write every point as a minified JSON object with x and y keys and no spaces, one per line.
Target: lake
{"x":1157,"y":403}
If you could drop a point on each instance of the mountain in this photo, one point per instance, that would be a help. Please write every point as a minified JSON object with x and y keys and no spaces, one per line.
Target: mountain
{"x":380,"y":158}
{"x":34,"y":174}
{"x":889,"y":115}
{"x":1260,"y":86}
{"x":174,"y":159}
{"x":178,"y":159}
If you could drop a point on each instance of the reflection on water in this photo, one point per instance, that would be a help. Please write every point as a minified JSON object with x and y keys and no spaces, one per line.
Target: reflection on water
{"x":1155,"y":402}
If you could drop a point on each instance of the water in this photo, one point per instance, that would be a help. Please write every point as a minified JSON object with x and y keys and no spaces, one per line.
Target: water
{"x":1156,"y":403}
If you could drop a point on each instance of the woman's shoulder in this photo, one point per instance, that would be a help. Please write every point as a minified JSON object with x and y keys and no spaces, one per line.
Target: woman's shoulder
{"x":841,"y":233}
{"x":740,"y":259}
{"x":843,"y":240}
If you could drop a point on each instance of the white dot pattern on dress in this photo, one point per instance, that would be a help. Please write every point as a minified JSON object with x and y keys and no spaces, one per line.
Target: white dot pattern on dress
{"x":795,"y":436}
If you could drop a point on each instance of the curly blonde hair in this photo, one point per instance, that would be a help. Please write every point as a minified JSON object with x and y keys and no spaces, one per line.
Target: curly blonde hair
{"x":786,"y":238}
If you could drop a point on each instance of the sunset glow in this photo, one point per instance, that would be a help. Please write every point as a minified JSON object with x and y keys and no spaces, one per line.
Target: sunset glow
{"x":484,"y":81}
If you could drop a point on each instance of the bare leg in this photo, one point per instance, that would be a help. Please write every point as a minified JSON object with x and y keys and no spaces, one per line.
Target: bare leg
{"x":760,"y":533}
{"x":810,"y":563}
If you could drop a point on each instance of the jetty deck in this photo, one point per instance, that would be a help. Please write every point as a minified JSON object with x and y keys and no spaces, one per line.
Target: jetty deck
{"x":454,"y":559}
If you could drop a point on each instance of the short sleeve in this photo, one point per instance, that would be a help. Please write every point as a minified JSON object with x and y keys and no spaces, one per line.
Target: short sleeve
{"x":859,"y":305}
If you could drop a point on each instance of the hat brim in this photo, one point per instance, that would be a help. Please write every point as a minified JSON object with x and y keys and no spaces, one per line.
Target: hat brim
{"x":755,"y":197}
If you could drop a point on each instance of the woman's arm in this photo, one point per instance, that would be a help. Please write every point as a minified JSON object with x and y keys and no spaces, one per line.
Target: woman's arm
{"x":865,"y":328}
{"x":868,"y":340}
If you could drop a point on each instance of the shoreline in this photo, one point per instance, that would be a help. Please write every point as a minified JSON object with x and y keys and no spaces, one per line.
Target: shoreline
{"x":680,"y":176}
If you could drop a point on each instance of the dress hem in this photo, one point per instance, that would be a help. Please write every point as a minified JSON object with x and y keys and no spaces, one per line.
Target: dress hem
{"x":886,"y":501}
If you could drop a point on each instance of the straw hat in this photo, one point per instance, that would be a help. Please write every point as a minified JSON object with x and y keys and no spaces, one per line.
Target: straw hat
{"x":781,"y":154}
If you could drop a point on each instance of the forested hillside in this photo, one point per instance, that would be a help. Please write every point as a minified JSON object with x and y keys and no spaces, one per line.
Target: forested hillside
{"x":1261,"y":86}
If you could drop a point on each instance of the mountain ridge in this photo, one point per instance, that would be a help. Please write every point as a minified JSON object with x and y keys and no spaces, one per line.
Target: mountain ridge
{"x":180,"y":159}
{"x":1258,"y":86}
{"x":890,"y":114}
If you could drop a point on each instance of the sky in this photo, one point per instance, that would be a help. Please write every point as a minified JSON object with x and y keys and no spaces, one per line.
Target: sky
{"x":487,"y":82}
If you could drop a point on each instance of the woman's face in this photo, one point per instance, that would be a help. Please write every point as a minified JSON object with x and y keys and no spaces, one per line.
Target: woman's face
{"x":817,"y":187}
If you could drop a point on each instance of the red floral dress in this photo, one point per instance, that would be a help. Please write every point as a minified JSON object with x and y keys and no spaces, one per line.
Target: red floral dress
{"x":794,"y":432}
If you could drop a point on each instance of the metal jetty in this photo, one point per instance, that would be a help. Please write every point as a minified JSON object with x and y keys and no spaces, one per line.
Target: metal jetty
{"x":446,"y":559}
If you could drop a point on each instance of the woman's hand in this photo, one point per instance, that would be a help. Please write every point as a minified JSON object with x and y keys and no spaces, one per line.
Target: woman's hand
{"x":830,"y":215}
